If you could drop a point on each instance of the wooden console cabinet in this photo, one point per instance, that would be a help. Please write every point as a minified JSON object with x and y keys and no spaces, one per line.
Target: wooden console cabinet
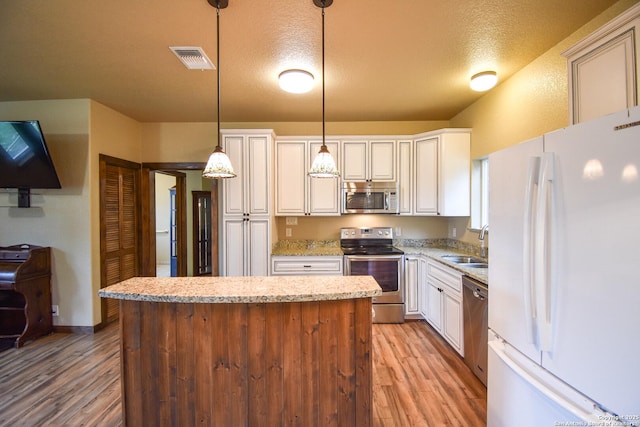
{"x":25,"y":293}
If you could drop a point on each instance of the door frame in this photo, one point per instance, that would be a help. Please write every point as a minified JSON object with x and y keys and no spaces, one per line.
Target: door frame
{"x":148,"y":218}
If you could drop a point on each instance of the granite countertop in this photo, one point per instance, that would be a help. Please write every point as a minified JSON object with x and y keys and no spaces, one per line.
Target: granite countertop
{"x":436,"y":253}
{"x":432,"y":248}
{"x":243,"y":289}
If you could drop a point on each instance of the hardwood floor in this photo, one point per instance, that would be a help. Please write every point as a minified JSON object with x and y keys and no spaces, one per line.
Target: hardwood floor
{"x":74,"y":380}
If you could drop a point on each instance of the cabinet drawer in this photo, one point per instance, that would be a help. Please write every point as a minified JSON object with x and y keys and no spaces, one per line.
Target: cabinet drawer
{"x":320,"y":265}
{"x":446,"y":275}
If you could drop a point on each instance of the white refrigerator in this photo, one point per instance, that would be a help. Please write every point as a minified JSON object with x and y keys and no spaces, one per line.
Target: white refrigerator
{"x":564,"y":277}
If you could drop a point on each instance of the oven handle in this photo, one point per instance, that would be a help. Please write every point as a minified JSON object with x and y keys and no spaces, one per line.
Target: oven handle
{"x":374,"y":257}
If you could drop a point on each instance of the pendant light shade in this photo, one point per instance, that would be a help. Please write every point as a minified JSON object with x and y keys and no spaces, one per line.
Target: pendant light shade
{"x":323,"y":166}
{"x":219,"y":164}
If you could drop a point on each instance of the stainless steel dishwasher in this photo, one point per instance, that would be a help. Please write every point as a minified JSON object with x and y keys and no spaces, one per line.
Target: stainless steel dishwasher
{"x":476,"y":328}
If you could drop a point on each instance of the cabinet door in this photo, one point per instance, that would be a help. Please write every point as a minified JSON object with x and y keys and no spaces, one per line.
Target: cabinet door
{"x":257,"y":250}
{"x":405,"y":177}
{"x":233,"y":188}
{"x":291,"y":164}
{"x":434,"y":305}
{"x":382,"y":160}
{"x":354,"y":161}
{"x":257,"y":176}
{"x":454,"y":160}
{"x":411,"y":274}
{"x":423,"y":291}
{"x":603,"y":77}
{"x":233,"y":254}
{"x":323,"y":194}
{"x":425,"y":189}
{"x":452,"y":321}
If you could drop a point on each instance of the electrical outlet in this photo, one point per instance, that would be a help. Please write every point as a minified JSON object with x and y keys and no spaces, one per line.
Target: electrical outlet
{"x":292,"y":220}
{"x":54,"y":310}
{"x":454,"y":232}
{"x":398,"y":231}
{"x":288,"y":231}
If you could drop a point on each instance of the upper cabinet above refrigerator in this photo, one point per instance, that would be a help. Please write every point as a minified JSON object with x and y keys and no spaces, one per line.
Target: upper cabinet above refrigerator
{"x":603,"y":69}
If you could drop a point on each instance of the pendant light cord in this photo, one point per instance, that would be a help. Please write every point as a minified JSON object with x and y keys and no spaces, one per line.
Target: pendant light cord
{"x":323,"y":119}
{"x":218,"y":63}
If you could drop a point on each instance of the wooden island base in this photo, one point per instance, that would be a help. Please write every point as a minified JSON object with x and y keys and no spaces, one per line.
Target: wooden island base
{"x":247,"y":364}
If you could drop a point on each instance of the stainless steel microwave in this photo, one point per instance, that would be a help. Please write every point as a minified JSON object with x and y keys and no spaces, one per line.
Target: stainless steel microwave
{"x":369,"y":198}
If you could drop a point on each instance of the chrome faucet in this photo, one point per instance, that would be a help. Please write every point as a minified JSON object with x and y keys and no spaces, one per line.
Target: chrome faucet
{"x":483,"y":231}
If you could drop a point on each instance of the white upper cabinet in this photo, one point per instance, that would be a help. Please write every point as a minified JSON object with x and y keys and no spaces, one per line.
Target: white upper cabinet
{"x":603,"y":69}
{"x":425,"y":196}
{"x":291,"y":177}
{"x":296,"y":193}
{"x":432,"y":172}
{"x":323,"y":195}
{"x":441,"y":164}
{"x":369,"y":160}
{"x":250,"y":155}
{"x":405,"y":177}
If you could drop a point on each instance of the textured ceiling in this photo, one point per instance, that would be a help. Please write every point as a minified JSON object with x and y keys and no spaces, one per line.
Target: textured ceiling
{"x":385,"y":60}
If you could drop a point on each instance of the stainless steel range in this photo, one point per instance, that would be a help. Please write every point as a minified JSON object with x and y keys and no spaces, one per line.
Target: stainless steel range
{"x":370,"y":252}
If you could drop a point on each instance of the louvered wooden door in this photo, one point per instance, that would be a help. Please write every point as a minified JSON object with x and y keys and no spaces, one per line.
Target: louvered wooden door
{"x":119,"y":228}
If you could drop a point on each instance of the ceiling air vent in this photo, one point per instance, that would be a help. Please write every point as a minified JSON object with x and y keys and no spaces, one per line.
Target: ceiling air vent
{"x":193,"y":57}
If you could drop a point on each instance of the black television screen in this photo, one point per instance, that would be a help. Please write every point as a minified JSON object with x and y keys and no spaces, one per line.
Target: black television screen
{"x":24,"y":158}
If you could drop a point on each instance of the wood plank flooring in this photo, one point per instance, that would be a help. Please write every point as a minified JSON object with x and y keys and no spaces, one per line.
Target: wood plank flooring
{"x":74,"y":380}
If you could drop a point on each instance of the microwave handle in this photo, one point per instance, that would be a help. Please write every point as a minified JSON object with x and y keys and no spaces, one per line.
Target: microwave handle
{"x":386,"y":200}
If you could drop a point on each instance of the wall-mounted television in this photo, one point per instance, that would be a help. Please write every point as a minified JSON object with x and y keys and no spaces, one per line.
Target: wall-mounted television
{"x":25,"y":162}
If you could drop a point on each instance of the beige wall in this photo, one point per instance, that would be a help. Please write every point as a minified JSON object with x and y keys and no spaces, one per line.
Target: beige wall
{"x":194,"y":142}
{"x":328,"y":228}
{"x":58,"y":218}
{"x":68,"y":219}
{"x":532,"y":102}
{"x":116,"y":135}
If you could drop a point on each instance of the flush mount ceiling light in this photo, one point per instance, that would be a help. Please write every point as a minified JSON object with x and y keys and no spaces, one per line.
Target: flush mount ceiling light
{"x":296,"y":81}
{"x":484,"y":81}
{"x":219,"y":165}
{"x":323,"y":166}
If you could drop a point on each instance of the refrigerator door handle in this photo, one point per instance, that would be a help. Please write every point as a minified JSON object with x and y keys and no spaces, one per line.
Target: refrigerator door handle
{"x":527,"y":247}
{"x":542,"y":272}
{"x":552,"y":388}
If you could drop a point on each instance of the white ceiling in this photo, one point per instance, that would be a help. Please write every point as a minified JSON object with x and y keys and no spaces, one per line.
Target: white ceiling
{"x":385,"y":60}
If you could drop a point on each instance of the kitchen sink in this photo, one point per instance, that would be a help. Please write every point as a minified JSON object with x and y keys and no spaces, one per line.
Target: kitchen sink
{"x":474,"y":264}
{"x":466,"y":261}
{"x":462,"y":259}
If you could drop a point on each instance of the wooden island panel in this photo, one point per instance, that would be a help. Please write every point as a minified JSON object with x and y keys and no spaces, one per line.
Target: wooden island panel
{"x":247,"y":364}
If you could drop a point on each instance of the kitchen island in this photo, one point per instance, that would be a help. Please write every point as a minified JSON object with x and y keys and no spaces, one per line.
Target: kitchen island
{"x":246,"y":350}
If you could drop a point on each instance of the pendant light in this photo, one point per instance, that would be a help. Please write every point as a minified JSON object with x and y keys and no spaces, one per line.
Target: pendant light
{"x":323,"y":166}
{"x":219,"y":165}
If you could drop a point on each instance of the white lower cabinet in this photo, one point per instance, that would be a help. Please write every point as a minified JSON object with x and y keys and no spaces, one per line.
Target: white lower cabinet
{"x":246,"y":246}
{"x":443,"y":303}
{"x":306,"y":266}
{"x":414,"y":269}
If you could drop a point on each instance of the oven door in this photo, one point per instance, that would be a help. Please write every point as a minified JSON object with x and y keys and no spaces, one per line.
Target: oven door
{"x":388,"y":270}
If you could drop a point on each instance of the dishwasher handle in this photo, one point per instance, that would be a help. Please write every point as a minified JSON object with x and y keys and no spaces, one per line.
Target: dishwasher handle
{"x":478,"y":289}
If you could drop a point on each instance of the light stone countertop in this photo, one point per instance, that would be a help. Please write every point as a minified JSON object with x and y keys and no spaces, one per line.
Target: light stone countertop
{"x":256,"y":289}
{"x":433,"y":249}
{"x":480,"y":274}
